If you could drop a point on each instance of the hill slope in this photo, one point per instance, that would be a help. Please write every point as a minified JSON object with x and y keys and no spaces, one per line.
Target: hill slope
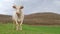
{"x":43,"y":19}
{"x":5,"y":18}
{"x":36,"y":19}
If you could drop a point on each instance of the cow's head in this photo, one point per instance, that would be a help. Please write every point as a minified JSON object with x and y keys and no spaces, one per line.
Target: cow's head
{"x":18,"y":9}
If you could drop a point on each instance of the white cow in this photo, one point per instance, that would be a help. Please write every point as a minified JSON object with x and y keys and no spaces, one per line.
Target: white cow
{"x":18,"y":17}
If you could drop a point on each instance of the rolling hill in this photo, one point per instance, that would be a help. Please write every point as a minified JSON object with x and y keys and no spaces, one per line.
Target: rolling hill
{"x":43,"y":19}
{"x":5,"y":18}
{"x":36,"y":19}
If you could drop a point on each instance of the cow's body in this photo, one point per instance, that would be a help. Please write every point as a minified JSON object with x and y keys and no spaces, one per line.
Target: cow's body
{"x":18,"y":17}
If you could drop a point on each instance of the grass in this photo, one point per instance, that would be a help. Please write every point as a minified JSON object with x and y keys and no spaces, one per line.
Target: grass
{"x":29,"y":29}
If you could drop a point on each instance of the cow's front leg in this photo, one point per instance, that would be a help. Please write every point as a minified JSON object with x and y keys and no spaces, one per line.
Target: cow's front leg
{"x":17,"y":26}
{"x":21,"y":24}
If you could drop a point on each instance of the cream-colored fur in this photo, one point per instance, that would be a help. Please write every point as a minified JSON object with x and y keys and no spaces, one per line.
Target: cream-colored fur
{"x":18,"y":17}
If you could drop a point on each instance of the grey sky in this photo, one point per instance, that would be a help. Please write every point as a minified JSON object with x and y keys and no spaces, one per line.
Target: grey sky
{"x":30,"y":6}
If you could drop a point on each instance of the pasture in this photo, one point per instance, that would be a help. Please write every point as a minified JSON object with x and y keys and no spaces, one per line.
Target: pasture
{"x":29,"y":29}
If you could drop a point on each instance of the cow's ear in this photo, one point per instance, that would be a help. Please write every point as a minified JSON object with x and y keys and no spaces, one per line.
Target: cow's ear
{"x":14,"y":7}
{"x":21,"y":7}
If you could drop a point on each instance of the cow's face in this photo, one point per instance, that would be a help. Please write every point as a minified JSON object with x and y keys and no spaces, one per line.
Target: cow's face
{"x":18,"y":9}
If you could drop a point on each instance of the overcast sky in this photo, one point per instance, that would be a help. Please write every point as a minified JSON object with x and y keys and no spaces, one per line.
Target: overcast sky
{"x":30,"y":6}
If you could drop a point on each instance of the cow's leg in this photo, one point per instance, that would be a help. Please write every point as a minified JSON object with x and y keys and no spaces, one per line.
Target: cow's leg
{"x":21,"y":24}
{"x":20,"y":28}
{"x":17,"y":26}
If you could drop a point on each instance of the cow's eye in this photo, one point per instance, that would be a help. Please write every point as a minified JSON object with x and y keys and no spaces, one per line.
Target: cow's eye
{"x":14,"y":7}
{"x":21,"y":7}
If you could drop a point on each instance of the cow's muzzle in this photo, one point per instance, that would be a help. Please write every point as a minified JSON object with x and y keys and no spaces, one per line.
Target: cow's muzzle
{"x":17,"y":13}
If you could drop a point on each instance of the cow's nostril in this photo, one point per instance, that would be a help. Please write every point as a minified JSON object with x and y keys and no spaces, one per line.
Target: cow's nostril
{"x":17,"y":13}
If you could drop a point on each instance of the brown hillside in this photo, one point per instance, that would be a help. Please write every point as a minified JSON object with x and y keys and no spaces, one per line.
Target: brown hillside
{"x":42,"y":19}
{"x":36,"y":19}
{"x":5,"y":18}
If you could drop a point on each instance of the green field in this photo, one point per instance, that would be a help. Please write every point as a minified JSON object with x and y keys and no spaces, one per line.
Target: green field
{"x":29,"y":29}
